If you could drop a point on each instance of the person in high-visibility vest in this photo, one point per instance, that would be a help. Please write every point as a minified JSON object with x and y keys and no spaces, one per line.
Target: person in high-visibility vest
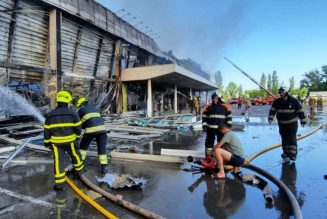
{"x":94,"y":127}
{"x":62,"y":128}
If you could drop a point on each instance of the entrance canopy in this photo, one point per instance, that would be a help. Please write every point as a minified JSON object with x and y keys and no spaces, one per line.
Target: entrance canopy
{"x":170,"y":74}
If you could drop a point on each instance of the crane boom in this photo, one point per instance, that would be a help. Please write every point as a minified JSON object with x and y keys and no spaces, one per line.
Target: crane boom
{"x":251,"y":78}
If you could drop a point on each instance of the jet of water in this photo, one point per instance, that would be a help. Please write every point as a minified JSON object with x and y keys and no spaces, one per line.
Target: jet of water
{"x":13,"y":102}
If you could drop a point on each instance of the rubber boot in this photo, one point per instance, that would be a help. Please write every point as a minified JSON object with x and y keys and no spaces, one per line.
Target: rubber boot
{"x":59,"y":187}
{"x":104,"y":168}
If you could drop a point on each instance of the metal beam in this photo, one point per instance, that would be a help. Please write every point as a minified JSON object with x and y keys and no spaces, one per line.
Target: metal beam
{"x":96,"y":64}
{"x":59,"y":52}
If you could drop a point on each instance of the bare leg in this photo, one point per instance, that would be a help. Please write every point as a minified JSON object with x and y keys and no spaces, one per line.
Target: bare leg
{"x":222,"y":156}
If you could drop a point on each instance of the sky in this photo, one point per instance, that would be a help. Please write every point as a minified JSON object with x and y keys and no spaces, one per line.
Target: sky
{"x":287,"y":36}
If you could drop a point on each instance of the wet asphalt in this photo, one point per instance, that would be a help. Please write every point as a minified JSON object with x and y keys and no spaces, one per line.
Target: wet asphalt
{"x":26,"y":190}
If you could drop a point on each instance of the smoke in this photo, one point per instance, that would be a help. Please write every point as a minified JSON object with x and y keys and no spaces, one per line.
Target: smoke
{"x":200,"y":30}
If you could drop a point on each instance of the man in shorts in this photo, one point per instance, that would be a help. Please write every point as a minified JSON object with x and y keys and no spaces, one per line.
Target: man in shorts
{"x":229,"y":150}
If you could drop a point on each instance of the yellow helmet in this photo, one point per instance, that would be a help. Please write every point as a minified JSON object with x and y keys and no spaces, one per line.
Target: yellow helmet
{"x":80,"y":101}
{"x":64,"y":97}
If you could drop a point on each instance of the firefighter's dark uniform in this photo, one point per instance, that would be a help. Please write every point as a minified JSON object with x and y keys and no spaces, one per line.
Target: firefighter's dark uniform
{"x":61,"y":129}
{"x":213,"y":116}
{"x":288,"y":111}
{"x":94,"y":127}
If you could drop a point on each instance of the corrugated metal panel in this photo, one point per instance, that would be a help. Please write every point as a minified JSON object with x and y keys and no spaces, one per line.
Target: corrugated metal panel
{"x":100,"y":15}
{"x":31,"y":36}
{"x":86,"y":9}
{"x":4,"y":28}
{"x":110,"y":21}
{"x":87,"y":52}
{"x":105,"y":58}
{"x":70,"y":5}
{"x":117,"y":29}
{"x":68,"y":42}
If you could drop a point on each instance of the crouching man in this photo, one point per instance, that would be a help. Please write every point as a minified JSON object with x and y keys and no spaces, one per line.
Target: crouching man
{"x":229,"y":150}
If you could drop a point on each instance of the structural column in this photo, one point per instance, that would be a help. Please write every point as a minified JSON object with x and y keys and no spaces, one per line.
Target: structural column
{"x":175,"y":99}
{"x":149,"y":100}
{"x":51,"y":81}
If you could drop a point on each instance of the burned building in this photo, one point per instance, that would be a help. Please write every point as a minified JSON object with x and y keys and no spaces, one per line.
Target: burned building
{"x":81,"y":46}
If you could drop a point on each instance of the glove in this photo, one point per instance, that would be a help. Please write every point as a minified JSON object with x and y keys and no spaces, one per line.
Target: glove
{"x":204,"y":128}
{"x":229,"y":125}
{"x":303,"y":124}
{"x":198,"y":162}
{"x":270,"y":121}
{"x":47,"y":145}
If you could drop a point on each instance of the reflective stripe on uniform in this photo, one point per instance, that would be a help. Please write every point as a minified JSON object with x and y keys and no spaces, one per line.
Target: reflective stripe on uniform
{"x":83,"y":153}
{"x":229,"y":122}
{"x":95,"y":129}
{"x":59,"y":125}
{"x":59,"y":177}
{"x":286,"y":110}
{"x":63,"y":139}
{"x":90,"y":115}
{"x":79,"y":165}
{"x":300,"y":111}
{"x":103,"y":159}
{"x":213,"y":126}
{"x":272,"y":109}
{"x":217,"y":116}
{"x":287,"y":121}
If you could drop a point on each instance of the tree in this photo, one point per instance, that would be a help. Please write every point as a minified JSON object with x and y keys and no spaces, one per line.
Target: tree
{"x":263,"y":81}
{"x":231,"y":89}
{"x":275,"y":84}
{"x":240,"y":91}
{"x":292,"y":84}
{"x":300,"y":93}
{"x":252,"y":93}
{"x":269,"y":83}
{"x":219,"y":81}
{"x":312,"y":80}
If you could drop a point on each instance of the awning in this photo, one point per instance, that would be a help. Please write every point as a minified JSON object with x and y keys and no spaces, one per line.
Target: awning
{"x":170,"y":74}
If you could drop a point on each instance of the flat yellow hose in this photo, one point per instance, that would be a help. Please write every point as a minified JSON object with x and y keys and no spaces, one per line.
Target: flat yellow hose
{"x":98,"y":207}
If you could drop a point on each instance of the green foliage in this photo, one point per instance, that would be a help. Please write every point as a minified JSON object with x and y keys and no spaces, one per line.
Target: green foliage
{"x":300,"y":93}
{"x":240,"y":91}
{"x":292,"y":84}
{"x":269,"y":82}
{"x":263,"y":81}
{"x":314,"y":81}
{"x":252,"y":93}
{"x":219,"y":82}
{"x":275,"y":83}
{"x":231,"y":89}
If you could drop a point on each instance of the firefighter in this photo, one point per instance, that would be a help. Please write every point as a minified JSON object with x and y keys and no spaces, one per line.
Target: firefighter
{"x":94,"y":127}
{"x":198,"y":105}
{"x":287,"y":110}
{"x":61,"y":130}
{"x":215,"y":114}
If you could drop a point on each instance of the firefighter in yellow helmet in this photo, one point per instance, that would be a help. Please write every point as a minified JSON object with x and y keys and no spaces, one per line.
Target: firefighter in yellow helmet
{"x":94,"y":127}
{"x":62,"y":128}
